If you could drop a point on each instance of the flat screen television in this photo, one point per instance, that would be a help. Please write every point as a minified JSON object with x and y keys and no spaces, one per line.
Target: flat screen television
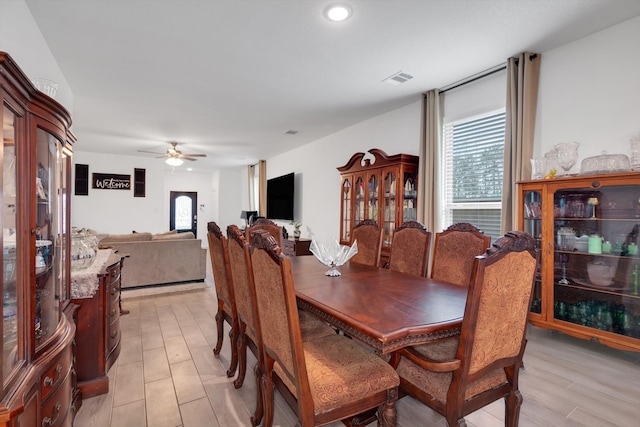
{"x":280,"y":197}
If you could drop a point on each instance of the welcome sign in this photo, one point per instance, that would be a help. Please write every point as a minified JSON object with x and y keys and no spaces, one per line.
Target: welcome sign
{"x":111,"y":181}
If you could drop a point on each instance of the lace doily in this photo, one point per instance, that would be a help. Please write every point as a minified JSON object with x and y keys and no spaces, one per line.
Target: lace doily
{"x":84,"y":283}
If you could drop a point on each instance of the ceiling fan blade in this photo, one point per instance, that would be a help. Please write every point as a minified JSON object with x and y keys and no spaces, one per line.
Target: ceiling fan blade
{"x":195,"y":155}
{"x":151,"y":152}
{"x":188,"y":158}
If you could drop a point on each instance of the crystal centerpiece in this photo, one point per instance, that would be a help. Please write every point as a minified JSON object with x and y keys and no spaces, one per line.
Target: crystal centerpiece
{"x":333,"y":254}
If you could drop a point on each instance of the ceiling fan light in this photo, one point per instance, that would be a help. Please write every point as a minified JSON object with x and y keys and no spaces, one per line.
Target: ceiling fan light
{"x":174,"y":161}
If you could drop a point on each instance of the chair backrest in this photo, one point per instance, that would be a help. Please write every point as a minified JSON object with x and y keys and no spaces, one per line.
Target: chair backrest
{"x":265,"y":224}
{"x":242,"y":274}
{"x":220,"y":265}
{"x":410,"y":249}
{"x":278,"y":311}
{"x":495,"y":319}
{"x":454,"y":253}
{"x":368,"y":233}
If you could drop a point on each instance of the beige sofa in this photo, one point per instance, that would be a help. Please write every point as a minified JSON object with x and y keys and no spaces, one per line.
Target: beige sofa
{"x":157,"y":259}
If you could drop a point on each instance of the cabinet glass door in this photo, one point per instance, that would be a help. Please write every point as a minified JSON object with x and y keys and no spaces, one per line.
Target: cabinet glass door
{"x":532,"y":224}
{"x":11,"y":325}
{"x":389,"y":220}
{"x":360,"y":200}
{"x":410,"y":197}
{"x":373,"y":192}
{"x":346,"y":210}
{"x":596,"y":262}
{"x":47,"y":241}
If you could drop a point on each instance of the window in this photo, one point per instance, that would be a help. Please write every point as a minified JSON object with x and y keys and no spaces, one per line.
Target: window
{"x":473,"y":163}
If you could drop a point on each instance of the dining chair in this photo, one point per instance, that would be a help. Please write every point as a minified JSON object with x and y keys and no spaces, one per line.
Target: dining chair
{"x":454,"y":252}
{"x":326,"y":379}
{"x":265,"y":224}
{"x":410,"y":249}
{"x":368,"y":233}
{"x":248,"y":325}
{"x":224,"y":291}
{"x":457,"y":376}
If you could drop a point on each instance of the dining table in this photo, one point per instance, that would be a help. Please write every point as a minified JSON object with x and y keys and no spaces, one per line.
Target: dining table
{"x":384,"y":309}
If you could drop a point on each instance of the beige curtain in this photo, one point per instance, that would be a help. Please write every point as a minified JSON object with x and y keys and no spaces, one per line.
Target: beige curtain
{"x":262,"y":196}
{"x":429,"y":200}
{"x":523,"y":74}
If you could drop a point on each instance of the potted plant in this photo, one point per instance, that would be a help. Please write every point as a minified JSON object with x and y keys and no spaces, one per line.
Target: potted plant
{"x":296,"y":229}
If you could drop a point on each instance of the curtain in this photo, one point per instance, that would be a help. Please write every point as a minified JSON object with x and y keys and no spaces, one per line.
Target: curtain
{"x":523,"y":74}
{"x":429,"y":201}
{"x":262,"y":187}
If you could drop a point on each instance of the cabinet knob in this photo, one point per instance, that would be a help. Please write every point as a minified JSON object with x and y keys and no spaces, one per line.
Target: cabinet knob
{"x":46,"y":421}
{"x":114,"y":334}
{"x":113,"y":291}
{"x":113,"y":313}
{"x":48,"y":381}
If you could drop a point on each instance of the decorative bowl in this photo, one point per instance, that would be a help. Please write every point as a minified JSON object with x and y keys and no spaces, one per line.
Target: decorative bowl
{"x":333,"y":254}
{"x":605,"y":163}
{"x":600,"y":273}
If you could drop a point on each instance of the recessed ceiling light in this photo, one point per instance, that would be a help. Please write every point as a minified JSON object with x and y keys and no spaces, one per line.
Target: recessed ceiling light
{"x":338,"y":12}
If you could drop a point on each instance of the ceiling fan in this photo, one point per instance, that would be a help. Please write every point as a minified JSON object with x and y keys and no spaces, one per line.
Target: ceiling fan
{"x":175,"y":157}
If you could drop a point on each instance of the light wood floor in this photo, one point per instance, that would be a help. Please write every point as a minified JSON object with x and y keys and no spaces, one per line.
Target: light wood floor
{"x":167,"y":375}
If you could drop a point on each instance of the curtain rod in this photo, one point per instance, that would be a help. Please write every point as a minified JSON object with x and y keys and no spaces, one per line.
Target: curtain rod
{"x":481,"y":75}
{"x":471,"y":79}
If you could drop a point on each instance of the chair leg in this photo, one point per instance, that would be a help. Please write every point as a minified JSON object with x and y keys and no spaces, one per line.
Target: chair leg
{"x":242,"y":355}
{"x":387,"y":413}
{"x":512,"y":404}
{"x":233,"y":339}
{"x":220,"y":326}
{"x":256,"y":419}
{"x":267,"y":390}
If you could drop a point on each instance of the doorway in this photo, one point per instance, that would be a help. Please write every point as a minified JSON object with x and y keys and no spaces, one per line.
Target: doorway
{"x":183,"y":213}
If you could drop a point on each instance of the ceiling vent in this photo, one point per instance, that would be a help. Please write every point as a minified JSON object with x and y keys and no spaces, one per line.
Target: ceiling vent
{"x":291,"y":132}
{"x":397,"y":78}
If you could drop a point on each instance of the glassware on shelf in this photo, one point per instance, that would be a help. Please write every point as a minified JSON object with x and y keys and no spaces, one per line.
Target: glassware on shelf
{"x":564,"y":258}
{"x":567,"y":155}
{"x":635,"y":153}
{"x":538,"y":167}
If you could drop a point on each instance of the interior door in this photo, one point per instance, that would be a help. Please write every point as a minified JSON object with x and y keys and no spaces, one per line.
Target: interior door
{"x":183,"y":213}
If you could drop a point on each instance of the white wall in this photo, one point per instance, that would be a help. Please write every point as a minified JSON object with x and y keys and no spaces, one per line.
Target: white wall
{"x":117,"y":211}
{"x":21,"y":38}
{"x":590,"y":92}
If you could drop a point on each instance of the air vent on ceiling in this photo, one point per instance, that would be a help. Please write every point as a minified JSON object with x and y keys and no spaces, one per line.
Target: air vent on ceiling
{"x":291,"y":132}
{"x":397,"y":78}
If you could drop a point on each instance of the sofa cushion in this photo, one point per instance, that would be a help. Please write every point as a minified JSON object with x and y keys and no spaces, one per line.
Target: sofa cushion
{"x":173,"y":236}
{"x":132,"y":237}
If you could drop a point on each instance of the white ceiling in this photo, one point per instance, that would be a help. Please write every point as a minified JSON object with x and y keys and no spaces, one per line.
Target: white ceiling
{"x":229,"y":78}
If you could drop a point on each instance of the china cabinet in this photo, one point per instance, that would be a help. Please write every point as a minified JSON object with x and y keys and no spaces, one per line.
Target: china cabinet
{"x":588,"y":283}
{"x":379,"y":187}
{"x":38,"y":328}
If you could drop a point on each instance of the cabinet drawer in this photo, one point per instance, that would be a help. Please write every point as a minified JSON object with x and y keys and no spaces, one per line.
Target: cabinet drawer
{"x":113,"y":335}
{"x":113,"y":293}
{"x":55,"y":409}
{"x":56,"y":374}
{"x":113,"y":275}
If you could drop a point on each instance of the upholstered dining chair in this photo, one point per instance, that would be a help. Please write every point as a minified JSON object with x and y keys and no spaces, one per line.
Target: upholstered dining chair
{"x":454,"y":252}
{"x":224,"y":291}
{"x":265,"y":224}
{"x":368,"y":233}
{"x":410,"y":249}
{"x":248,"y":325}
{"x":457,"y":376}
{"x":326,"y":379}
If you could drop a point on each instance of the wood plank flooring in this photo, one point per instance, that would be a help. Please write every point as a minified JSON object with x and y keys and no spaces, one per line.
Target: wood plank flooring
{"x":167,"y":376}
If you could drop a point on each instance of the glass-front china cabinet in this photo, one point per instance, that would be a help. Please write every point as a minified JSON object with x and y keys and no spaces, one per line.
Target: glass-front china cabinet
{"x":379,"y":187}
{"x":38,"y":325}
{"x":586,"y":228}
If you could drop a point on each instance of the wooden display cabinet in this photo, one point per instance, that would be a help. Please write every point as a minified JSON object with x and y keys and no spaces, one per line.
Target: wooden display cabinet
{"x":37,"y":371}
{"x":586,"y":228}
{"x":296,"y":247}
{"x":379,"y":187}
{"x":98,"y":332}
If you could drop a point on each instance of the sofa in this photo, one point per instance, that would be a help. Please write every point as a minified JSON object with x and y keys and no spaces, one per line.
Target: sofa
{"x":158,"y":259}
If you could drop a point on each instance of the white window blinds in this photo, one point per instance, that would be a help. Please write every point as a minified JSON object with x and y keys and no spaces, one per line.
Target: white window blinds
{"x":473,"y":164}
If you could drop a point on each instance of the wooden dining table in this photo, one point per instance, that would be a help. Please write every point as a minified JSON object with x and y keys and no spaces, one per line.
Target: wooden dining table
{"x":384,"y":309}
